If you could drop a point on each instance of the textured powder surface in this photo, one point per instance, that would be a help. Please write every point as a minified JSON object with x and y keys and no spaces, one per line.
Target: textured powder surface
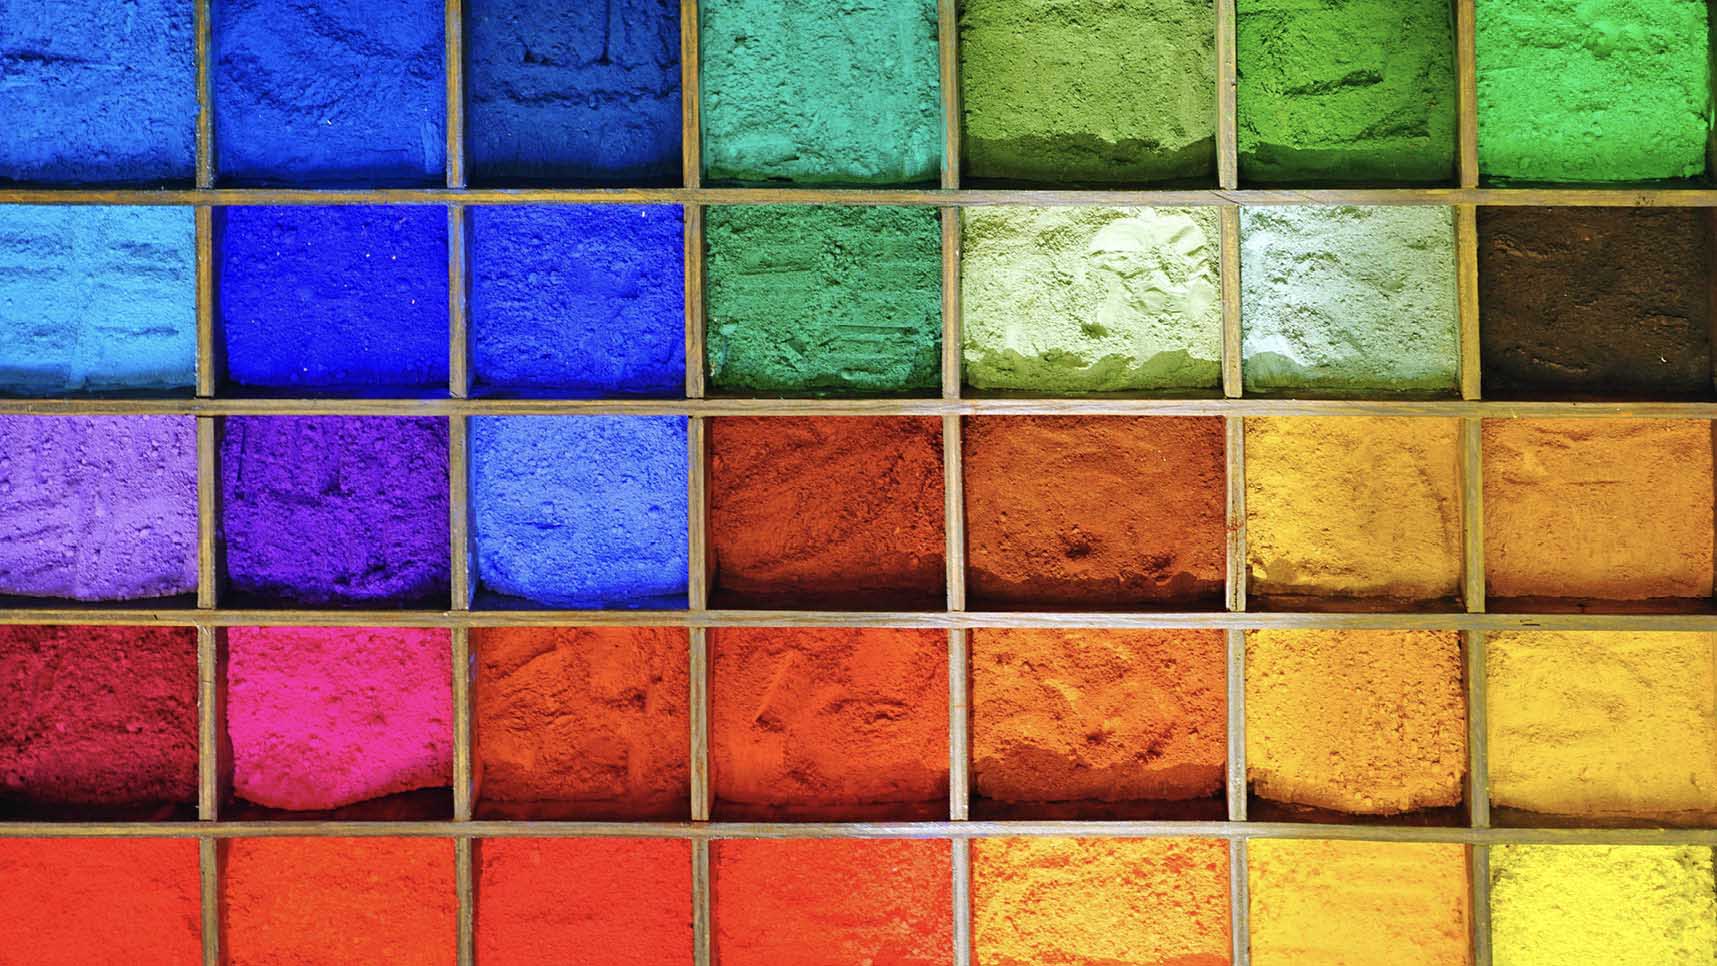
{"x":98,"y":507}
{"x":1346,"y":90}
{"x":1642,"y":905}
{"x":1612,"y":509}
{"x":581,"y":511}
{"x":97,"y":298}
{"x":837,"y":723}
{"x":583,"y":722}
{"x":572,"y":92}
{"x":1364,"y":722}
{"x":1348,"y":298}
{"x":329,"y":92}
{"x":343,"y":298}
{"x":1599,"y":302}
{"x":98,"y":93}
{"x":1077,"y":299}
{"x":1107,"y":511}
{"x":1353,"y":507}
{"x":325,"y":510}
{"x":1357,"y":903}
{"x":1154,"y":902}
{"x":78,"y":902}
{"x":824,"y":298}
{"x":1604,"y":725}
{"x":827,"y":902}
{"x":1088,"y":90}
{"x":585,"y":300}
{"x":1593,"y":90}
{"x":827,"y":510}
{"x":584,"y":902}
{"x":98,"y":717}
{"x":817,"y":93}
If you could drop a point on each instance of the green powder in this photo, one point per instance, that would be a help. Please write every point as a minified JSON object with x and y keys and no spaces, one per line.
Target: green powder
{"x":1091,"y":299}
{"x":810,"y":298}
{"x":1346,"y":90}
{"x":1593,"y":90}
{"x":1089,"y":90}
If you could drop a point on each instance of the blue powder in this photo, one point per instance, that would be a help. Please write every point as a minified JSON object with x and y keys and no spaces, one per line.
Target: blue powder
{"x":581,"y":300}
{"x":338,"y":299}
{"x":581,"y":511}
{"x":97,"y":299}
{"x":329,"y":92}
{"x":570,"y":93}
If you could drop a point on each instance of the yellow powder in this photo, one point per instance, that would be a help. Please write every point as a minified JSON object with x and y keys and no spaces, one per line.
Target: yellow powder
{"x":1358,"y":903}
{"x":1604,"y":725}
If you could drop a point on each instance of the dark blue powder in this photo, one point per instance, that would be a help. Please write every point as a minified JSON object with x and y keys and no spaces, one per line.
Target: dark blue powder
{"x":338,"y":299}
{"x":578,"y":300}
{"x":583,"y":92}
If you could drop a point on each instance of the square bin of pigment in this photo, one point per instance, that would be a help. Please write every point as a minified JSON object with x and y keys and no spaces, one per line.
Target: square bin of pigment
{"x":1630,"y":905}
{"x":72,"y":902}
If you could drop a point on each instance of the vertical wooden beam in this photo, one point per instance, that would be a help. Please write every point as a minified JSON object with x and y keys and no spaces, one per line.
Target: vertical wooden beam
{"x":459,"y":477}
{"x":959,"y":726}
{"x":951,"y":332}
{"x":208,"y":513}
{"x":1235,"y":461}
{"x":1239,"y":903}
{"x":209,"y":362}
{"x":201,"y":24}
{"x":691,"y":124}
{"x":209,"y":889}
{"x":1467,"y":297}
{"x":1228,"y":271}
{"x":697,"y":505}
{"x":209,"y":711}
{"x":1478,"y":870}
{"x":210,"y":719}
{"x":702,"y":887}
{"x":465,"y":886}
{"x":458,"y":322}
{"x":1466,"y":67}
{"x":453,"y":28}
{"x":962,"y":852}
{"x":1227,"y":73}
{"x":1478,"y":735}
{"x":1236,"y":785}
{"x":1472,"y":513}
{"x":948,"y":62}
{"x":463,"y":787}
{"x":459,"y":509}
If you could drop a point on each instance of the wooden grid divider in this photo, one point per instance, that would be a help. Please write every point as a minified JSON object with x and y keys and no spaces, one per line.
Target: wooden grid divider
{"x":1227,"y":84}
{"x":453,"y":30}
{"x":1467,"y":299}
{"x":1466,"y":85}
{"x":1228,"y":274}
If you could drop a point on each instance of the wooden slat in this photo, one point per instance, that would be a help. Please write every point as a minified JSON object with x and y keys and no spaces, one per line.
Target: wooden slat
{"x":962,"y":892}
{"x":463,"y":788}
{"x":1239,"y":903}
{"x":1236,"y":784}
{"x":209,"y":890}
{"x":1235,"y":461}
{"x":1227,"y":132}
{"x":952,"y":339}
{"x":1466,"y":67}
{"x":453,"y":29}
{"x":948,"y":64}
{"x":204,"y":52}
{"x":458,"y":324}
{"x":702,"y":899}
{"x":459,"y":511}
{"x":211,"y":716}
{"x":1478,"y":737}
{"x":1472,"y":514}
{"x":959,"y":726}
{"x":702,"y":793}
{"x":1229,"y":274}
{"x":694,"y":294}
{"x":210,"y":365}
{"x":954,"y":513}
{"x":698,"y":558}
{"x":691,"y":123}
{"x":1467,"y":297}
{"x":208,"y":514}
{"x":1478,"y":871}
{"x":465,"y":888}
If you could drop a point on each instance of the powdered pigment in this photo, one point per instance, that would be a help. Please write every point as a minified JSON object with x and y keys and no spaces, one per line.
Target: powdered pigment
{"x":73,"y":902}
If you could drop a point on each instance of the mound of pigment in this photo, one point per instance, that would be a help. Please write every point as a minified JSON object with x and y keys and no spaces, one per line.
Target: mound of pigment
{"x":1604,"y":725}
{"x":1614,"y":509}
{"x":1098,"y":715}
{"x":1365,"y":722}
{"x":839,"y":723}
{"x":98,"y":507}
{"x":827,"y":509}
{"x":1357,"y":902}
{"x":1353,"y":507}
{"x":342,"y":298}
{"x":583,"y":300}
{"x":807,"y":299}
{"x":594,"y":720}
{"x":97,"y":299}
{"x":329,"y":92}
{"x":829,"y":902}
{"x":581,"y":511}
{"x":809,"y":93}
{"x":72,"y":902}
{"x":1056,"y":900}
{"x":1109,"y":511}
{"x":584,"y":902}
{"x":1346,"y":90}
{"x":1088,"y":90}
{"x":1641,"y":905}
{"x":354,"y":900}
{"x":1348,"y":299}
{"x":1609,"y":90}
{"x":1595,"y":302}
{"x":99,"y":93}
{"x":1076,"y":299}
{"x":572,"y":92}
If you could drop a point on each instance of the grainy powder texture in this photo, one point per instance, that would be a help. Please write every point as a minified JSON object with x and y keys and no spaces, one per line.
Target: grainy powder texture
{"x":1616,"y":509}
{"x":1330,"y":903}
{"x":829,"y":902}
{"x":583,"y":722}
{"x":1593,"y":90}
{"x":1101,"y":91}
{"x":1113,"y":511}
{"x":1349,"y":298}
{"x":1353,"y":507}
{"x":1641,"y":905}
{"x":584,"y":902}
{"x":1076,"y":299}
{"x":1604,"y":725}
{"x":1096,"y":902}
{"x":823,"y":299}
{"x":78,"y":902}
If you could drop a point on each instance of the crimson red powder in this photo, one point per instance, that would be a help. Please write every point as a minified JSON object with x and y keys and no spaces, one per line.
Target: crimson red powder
{"x":75,"y":902}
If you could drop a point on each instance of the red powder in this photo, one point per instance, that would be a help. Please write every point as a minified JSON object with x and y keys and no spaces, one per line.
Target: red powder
{"x":73,"y":902}
{"x":832,"y":902}
{"x":584,"y":902}
{"x":838,"y":511}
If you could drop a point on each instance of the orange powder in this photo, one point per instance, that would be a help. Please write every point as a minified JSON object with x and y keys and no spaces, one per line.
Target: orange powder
{"x":74,"y":902}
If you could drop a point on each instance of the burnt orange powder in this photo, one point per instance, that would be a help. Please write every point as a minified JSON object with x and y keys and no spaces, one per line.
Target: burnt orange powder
{"x":1105,"y":512}
{"x":838,"y":511}
{"x":72,"y":902}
